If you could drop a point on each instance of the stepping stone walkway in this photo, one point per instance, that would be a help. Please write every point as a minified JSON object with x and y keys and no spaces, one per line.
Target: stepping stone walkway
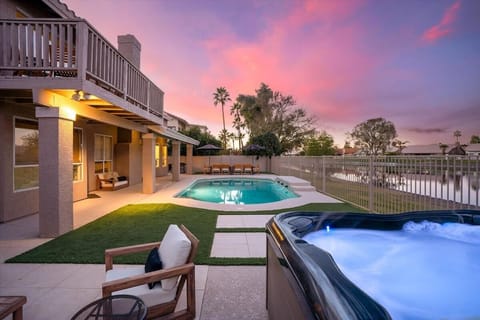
{"x":240,"y":244}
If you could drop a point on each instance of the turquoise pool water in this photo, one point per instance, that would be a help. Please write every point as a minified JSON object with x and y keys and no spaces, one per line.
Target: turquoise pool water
{"x":237,"y":191}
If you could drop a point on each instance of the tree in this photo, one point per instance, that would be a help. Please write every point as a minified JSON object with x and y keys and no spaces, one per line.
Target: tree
{"x":270,"y":142}
{"x":224,"y":136}
{"x":374,"y":135}
{"x":475,"y":139}
{"x":221,"y":96}
{"x":238,"y":124}
{"x":273,"y":112}
{"x":320,"y":145}
{"x":204,"y":137}
{"x":399,"y":144}
{"x":443,"y":147}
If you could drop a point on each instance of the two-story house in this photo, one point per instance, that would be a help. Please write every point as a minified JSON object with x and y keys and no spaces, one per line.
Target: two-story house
{"x":72,"y":105}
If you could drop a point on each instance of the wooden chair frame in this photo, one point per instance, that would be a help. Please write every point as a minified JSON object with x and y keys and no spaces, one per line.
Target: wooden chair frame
{"x":186,"y":272}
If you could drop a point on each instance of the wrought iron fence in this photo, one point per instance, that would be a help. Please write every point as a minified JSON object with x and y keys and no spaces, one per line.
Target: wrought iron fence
{"x":391,"y":183}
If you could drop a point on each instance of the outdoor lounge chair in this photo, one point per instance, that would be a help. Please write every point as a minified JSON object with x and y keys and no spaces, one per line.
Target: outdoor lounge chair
{"x":216,"y":168}
{"x":177,"y":252}
{"x":225,"y":168}
{"x":238,"y":168}
{"x":247,"y":168}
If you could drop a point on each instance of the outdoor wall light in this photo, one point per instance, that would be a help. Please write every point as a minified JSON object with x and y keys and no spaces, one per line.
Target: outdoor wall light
{"x":80,"y":95}
{"x":76,"y":95}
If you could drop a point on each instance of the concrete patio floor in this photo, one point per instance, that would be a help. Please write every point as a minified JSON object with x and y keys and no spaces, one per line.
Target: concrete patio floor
{"x":57,"y":291}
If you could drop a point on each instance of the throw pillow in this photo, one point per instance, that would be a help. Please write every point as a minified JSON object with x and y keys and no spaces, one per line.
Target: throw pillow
{"x":153,"y":264}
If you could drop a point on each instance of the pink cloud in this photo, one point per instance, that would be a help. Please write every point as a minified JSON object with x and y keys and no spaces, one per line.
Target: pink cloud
{"x":314,"y":67}
{"x":445,"y":26}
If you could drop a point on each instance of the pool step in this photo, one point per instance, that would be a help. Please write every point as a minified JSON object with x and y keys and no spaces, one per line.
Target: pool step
{"x":296,"y":184}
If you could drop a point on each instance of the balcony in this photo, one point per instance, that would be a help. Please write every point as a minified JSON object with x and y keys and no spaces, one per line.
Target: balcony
{"x":70,"y":54}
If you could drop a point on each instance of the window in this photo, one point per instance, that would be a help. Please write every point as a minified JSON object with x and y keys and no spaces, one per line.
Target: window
{"x":103,"y":153}
{"x":77,"y":154}
{"x":25,"y":171}
{"x":164,"y":156}
{"x":157,"y":155}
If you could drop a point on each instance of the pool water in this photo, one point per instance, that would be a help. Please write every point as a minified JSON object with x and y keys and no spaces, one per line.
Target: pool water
{"x":424,"y":271}
{"x":237,"y":191}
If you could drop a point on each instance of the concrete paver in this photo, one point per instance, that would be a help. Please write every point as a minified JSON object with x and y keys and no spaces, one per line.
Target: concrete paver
{"x":235,"y":293}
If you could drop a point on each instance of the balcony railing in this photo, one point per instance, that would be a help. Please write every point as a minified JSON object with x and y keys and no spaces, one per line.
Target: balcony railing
{"x":58,"y":48}
{"x":391,"y":184}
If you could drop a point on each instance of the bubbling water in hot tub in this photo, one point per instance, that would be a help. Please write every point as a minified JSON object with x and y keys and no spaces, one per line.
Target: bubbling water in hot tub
{"x":424,"y":271}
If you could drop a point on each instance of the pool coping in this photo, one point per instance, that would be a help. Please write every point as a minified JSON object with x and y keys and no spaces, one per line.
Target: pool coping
{"x":167,"y":195}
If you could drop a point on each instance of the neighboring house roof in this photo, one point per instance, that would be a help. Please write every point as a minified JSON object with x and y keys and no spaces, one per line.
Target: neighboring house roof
{"x":183,"y":122}
{"x":424,"y":149}
{"x":457,"y":150}
{"x":474,"y":147}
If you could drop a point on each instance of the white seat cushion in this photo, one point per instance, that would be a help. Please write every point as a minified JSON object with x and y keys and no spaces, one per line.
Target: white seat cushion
{"x":151,"y":297}
{"x":117,"y":183}
{"x":173,"y":251}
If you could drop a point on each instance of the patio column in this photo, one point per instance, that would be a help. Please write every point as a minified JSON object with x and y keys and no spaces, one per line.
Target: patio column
{"x":148,"y":162}
{"x":189,"y":159}
{"x":55,"y":170}
{"x":175,"y":160}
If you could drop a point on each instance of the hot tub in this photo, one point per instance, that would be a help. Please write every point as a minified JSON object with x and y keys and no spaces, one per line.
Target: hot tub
{"x":305,"y":282}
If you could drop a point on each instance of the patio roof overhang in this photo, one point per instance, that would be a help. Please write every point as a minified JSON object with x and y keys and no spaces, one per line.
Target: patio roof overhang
{"x":172,"y":134}
{"x":103,"y":111}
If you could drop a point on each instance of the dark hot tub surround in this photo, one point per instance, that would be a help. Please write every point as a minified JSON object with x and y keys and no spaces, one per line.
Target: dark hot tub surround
{"x":304,"y":282}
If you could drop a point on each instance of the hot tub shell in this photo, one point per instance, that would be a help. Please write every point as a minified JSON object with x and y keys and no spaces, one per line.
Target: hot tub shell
{"x":303,"y":281}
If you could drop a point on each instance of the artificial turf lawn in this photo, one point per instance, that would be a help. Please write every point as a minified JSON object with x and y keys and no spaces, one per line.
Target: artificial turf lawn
{"x":142,"y":223}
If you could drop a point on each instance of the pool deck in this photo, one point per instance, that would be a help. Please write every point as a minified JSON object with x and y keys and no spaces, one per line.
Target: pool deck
{"x":57,"y":291}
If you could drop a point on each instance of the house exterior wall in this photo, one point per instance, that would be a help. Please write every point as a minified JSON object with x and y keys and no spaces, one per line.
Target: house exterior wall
{"x":13,"y":204}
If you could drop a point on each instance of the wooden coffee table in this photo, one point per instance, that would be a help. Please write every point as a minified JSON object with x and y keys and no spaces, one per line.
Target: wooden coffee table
{"x":12,"y":305}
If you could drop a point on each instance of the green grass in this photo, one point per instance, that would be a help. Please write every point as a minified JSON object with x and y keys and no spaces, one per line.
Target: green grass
{"x":141,"y":223}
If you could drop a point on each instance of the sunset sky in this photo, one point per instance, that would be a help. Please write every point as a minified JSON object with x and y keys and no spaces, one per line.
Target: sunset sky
{"x":413,"y":62}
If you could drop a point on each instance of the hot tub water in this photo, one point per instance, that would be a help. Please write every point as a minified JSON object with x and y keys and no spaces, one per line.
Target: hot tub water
{"x":424,"y":271}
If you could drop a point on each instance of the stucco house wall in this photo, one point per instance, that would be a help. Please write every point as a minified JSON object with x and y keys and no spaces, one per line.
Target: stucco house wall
{"x":14,"y":204}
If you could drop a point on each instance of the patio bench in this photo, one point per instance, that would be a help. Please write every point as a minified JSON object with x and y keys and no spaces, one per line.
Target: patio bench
{"x":111,"y":181}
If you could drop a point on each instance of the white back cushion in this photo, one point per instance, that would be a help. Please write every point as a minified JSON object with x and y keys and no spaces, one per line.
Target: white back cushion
{"x":174,"y":251}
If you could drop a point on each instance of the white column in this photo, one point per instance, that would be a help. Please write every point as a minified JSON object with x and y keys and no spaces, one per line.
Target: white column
{"x":55,"y":170}
{"x":148,"y":162}
{"x":175,"y":160}
{"x":189,"y":159}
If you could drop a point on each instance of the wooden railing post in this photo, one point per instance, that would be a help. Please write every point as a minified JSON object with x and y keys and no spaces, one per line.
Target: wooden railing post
{"x":81,"y":50}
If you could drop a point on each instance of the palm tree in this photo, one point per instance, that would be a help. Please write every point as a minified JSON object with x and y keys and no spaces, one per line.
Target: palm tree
{"x":238,"y":123}
{"x":221,"y":96}
{"x":457,"y":134}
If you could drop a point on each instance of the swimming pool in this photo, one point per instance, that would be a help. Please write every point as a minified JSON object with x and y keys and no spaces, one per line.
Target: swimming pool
{"x":237,"y":191}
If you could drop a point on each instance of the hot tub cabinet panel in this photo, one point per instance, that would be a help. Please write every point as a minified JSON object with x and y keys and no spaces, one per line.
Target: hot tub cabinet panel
{"x":304,"y":282}
{"x":282,"y":290}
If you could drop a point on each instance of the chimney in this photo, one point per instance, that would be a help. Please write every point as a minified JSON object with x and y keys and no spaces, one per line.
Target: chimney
{"x":130,"y":48}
